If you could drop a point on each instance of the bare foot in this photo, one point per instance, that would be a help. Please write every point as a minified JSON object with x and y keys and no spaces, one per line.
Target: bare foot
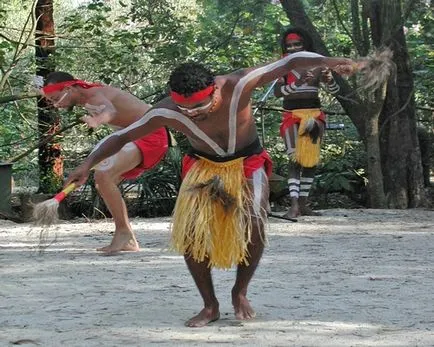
{"x":307,"y":211}
{"x":243,"y":310}
{"x":293,"y":212}
{"x":122,"y":241}
{"x":207,"y":315}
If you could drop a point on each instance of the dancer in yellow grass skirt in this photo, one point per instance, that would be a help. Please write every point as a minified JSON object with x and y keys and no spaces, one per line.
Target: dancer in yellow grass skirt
{"x":303,"y":121}
{"x":220,"y":211}
{"x":212,"y":219}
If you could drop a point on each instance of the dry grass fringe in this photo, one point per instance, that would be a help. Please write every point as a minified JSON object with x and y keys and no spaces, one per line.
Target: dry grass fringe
{"x":377,"y":69}
{"x":307,"y":149}
{"x":212,"y":220}
{"x":46,"y":213}
{"x":215,"y":188}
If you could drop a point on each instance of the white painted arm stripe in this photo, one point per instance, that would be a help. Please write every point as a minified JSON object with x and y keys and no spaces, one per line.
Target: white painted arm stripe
{"x":334,"y":88}
{"x":306,"y":88}
{"x":246,"y":79}
{"x":296,"y":74}
{"x":283,"y":90}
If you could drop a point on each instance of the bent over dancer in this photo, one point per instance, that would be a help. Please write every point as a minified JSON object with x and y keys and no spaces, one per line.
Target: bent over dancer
{"x":303,"y":121}
{"x":112,"y":106}
{"x":220,"y":211}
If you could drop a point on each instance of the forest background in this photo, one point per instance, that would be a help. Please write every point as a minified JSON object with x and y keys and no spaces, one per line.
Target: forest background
{"x":378,"y":157}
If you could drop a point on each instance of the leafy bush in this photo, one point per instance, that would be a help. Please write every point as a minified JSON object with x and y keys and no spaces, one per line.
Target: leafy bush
{"x":342,"y":171}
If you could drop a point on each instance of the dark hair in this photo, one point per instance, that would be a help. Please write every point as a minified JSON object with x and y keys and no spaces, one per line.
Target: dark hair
{"x":58,"y":76}
{"x":189,"y":78}
{"x":307,"y":40}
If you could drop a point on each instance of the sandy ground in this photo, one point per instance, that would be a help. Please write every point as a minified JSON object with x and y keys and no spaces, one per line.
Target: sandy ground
{"x":347,"y":278}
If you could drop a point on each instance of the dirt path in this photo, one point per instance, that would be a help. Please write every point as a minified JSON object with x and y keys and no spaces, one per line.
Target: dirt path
{"x":348,"y":278}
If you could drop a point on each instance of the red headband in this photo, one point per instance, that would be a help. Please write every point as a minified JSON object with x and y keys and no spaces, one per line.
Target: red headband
{"x":195,"y":97}
{"x":57,"y":87}
{"x":293,"y":36}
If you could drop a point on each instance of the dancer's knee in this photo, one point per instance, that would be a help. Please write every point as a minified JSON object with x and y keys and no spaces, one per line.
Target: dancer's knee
{"x":102,"y":177}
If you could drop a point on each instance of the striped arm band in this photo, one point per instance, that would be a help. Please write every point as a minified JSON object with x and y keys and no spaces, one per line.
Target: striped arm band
{"x":288,"y":89}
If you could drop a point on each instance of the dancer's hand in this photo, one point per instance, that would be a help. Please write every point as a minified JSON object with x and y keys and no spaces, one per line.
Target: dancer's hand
{"x":78,"y":176}
{"x":306,"y":76}
{"x":99,"y":114}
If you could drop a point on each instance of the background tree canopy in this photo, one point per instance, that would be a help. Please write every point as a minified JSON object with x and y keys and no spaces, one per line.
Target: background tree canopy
{"x":134,"y":44}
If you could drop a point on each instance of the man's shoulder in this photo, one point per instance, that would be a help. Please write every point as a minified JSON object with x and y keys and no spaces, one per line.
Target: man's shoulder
{"x":165,"y":103}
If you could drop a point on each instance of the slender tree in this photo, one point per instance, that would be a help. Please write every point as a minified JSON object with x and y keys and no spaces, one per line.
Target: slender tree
{"x":50,"y":159}
{"x":400,"y":153}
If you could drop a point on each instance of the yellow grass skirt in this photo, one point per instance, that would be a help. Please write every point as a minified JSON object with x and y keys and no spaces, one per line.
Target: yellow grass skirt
{"x":307,"y":153}
{"x":205,"y":225}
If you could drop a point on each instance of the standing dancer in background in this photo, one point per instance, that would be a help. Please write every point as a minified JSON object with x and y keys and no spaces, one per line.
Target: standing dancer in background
{"x":119,"y":109}
{"x":303,"y":122}
{"x":223,"y":201}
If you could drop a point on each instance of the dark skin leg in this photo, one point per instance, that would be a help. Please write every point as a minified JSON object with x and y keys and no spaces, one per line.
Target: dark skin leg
{"x":293,"y":172}
{"x":241,"y":304}
{"x":304,"y":208}
{"x":242,"y":307}
{"x":299,"y":206}
{"x":201,"y":273}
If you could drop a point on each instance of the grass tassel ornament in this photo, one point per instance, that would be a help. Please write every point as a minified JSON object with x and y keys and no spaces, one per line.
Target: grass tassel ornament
{"x":46,"y":213}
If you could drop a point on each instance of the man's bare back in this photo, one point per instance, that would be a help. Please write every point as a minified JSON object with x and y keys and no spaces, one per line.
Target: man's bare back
{"x":127,"y":107}
{"x":119,"y":109}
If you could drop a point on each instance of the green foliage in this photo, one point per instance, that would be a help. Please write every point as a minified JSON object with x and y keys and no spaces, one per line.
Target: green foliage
{"x":342,"y":169}
{"x":158,"y":188}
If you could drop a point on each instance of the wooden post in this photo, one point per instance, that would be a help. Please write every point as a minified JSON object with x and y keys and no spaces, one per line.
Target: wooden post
{"x":5,"y":187}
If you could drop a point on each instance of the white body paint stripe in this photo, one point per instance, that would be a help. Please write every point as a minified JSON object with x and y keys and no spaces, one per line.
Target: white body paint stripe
{"x":170,"y":114}
{"x":306,"y":179}
{"x":258,"y":178}
{"x":303,"y":89}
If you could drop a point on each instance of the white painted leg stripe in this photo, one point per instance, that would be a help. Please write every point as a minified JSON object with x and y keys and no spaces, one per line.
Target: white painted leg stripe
{"x":289,"y":148}
{"x":258,"y":176}
{"x":306,"y":179}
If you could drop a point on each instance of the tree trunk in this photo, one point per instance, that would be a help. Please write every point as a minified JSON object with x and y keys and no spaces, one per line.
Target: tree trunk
{"x":401,"y":159}
{"x":346,"y":96}
{"x":50,"y":159}
{"x":377,"y":198}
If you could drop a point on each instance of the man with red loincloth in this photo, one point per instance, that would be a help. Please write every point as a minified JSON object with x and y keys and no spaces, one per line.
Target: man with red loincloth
{"x":119,"y":109}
